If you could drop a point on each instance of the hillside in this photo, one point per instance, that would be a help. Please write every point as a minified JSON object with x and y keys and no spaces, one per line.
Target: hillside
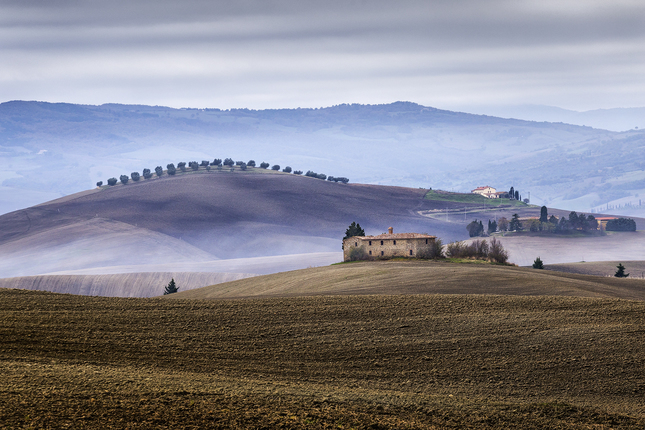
{"x":421,"y":277}
{"x":52,"y":150}
{"x":363,"y":362}
{"x":244,"y":223}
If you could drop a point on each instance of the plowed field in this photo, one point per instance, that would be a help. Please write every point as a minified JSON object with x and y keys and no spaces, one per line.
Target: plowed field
{"x":415,"y":361}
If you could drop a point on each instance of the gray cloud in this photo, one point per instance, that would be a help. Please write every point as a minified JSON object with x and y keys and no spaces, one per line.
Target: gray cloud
{"x":294,"y":53}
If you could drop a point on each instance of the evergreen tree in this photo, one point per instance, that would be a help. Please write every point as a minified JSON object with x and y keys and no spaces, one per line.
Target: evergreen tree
{"x":517,"y":195}
{"x":544,"y":216}
{"x":515,"y":224}
{"x":511,"y":193}
{"x":553,"y":220}
{"x":492,"y":226}
{"x":475,"y":228}
{"x":538,"y":264}
{"x":171,"y":287}
{"x":620,"y":273}
{"x":354,"y":229}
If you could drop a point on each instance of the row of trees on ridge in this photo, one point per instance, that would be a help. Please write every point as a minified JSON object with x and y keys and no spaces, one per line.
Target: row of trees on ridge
{"x":217,"y":163}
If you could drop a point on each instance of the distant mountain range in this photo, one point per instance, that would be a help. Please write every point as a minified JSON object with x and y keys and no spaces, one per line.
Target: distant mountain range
{"x":50,"y":150}
{"x":616,"y":119}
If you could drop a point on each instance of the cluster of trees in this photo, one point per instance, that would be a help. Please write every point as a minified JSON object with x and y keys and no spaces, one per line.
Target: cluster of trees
{"x":218,"y":163}
{"x":621,"y":224}
{"x":478,"y":249}
{"x":513,"y":194}
{"x":550,"y":224}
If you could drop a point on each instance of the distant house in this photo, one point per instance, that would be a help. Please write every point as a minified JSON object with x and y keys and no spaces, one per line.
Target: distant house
{"x":388,"y":245}
{"x":501,"y":195}
{"x":486,"y":191}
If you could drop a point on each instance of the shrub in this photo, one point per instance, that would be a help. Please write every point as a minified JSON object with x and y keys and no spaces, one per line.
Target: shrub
{"x":229,"y":162}
{"x":243,"y":166}
{"x":287,"y":169}
{"x":124,"y":179}
{"x":478,"y":249}
{"x":182,"y":166}
{"x":194,"y":165}
{"x":264,"y":165}
{"x":239,"y":163}
{"x":275,"y":167}
{"x":321,"y":176}
{"x":297,"y":172}
{"x":147,"y":174}
{"x":171,"y":169}
{"x":159,"y":170}
{"x":112,"y":181}
{"x":205,"y":163}
{"x":99,"y":183}
{"x":496,"y":252}
{"x":455,"y":249}
{"x":358,"y":253}
{"x":251,"y":163}
{"x":538,"y":264}
{"x":330,"y":178}
{"x":135,"y":176}
{"x":216,"y":162}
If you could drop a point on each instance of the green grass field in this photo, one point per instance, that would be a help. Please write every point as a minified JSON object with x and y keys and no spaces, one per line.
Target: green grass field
{"x":447,"y":196}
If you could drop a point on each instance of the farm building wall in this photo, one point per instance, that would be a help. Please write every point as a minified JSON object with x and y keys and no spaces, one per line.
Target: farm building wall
{"x":377,"y":247}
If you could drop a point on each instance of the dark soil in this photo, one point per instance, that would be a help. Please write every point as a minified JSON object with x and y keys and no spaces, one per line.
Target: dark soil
{"x":419,"y":361}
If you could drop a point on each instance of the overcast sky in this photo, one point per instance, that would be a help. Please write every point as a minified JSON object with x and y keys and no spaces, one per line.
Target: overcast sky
{"x":575,"y":54}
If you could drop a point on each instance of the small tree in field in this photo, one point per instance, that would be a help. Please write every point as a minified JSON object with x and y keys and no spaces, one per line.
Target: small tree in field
{"x":251,"y":163}
{"x":538,"y":264}
{"x":99,"y":183}
{"x":264,"y":165}
{"x":287,"y":169}
{"x":112,"y":181}
{"x":135,"y":176}
{"x":171,"y":287}
{"x":275,"y":167}
{"x":124,"y":179}
{"x":496,"y":252}
{"x":171,"y":169}
{"x":620,"y":273}
{"x":159,"y":170}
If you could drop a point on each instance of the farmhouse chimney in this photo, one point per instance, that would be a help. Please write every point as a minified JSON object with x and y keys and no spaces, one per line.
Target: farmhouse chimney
{"x":390,"y":230}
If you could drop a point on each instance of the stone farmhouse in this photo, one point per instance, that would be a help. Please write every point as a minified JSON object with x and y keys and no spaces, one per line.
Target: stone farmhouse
{"x":486,"y":191}
{"x":388,"y":245}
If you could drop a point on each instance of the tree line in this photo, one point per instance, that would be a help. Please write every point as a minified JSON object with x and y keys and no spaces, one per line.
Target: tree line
{"x":564,"y":225}
{"x":217,"y":163}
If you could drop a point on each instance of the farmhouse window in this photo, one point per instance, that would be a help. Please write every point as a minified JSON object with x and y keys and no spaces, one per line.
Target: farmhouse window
{"x":394,"y":242}
{"x":381,"y":252}
{"x":370,"y":243}
{"x":410,"y":252}
{"x":370,"y":252}
{"x":355,"y":243}
{"x":381,"y":242}
{"x":426,"y":241}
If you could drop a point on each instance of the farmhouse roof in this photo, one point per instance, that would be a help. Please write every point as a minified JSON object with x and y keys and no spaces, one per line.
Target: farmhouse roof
{"x":482,"y":188}
{"x":400,"y":236}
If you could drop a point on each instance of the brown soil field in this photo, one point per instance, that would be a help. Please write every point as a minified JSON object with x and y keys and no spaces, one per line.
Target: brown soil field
{"x":421,"y":277}
{"x":354,"y":362}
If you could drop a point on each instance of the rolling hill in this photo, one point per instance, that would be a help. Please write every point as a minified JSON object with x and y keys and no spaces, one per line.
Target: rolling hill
{"x":51,"y":150}
{"x":238,"y":223}
{"x":420,"y":277}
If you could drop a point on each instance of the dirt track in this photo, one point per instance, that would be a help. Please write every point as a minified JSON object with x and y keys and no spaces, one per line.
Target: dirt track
{"x":428,"y":361}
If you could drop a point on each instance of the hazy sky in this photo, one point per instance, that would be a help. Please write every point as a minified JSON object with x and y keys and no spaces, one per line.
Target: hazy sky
{"x":576,"y":54}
